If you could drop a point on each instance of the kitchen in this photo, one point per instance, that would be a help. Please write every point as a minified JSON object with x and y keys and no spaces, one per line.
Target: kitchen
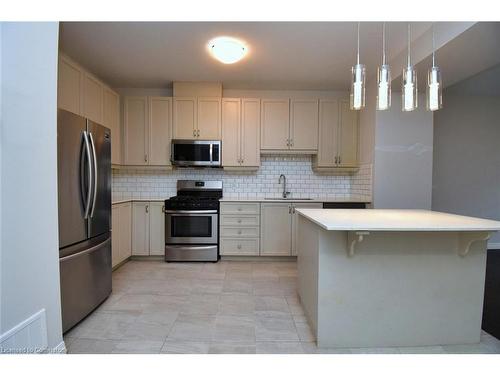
{"x":227,"y":185}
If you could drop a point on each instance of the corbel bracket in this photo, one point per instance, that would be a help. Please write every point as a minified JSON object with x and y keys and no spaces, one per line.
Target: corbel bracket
{"x":354,"y":238}
{"x":466,"y":239}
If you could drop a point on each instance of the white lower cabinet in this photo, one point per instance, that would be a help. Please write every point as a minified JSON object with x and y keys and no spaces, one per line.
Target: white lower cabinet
{"x":239,"y":228}
{"x":278,"y":235}
{"x":148,"y":233}
{"x":121,"y":232}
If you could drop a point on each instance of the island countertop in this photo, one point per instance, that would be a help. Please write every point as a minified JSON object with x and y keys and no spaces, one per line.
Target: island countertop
{"x":395,"y":220}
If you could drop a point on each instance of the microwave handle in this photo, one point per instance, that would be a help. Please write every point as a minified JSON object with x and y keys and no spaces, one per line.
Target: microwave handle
{"x":211,"y":153}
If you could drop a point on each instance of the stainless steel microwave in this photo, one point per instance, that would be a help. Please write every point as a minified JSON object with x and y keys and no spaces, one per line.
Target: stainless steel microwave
{"x":191,"y":153}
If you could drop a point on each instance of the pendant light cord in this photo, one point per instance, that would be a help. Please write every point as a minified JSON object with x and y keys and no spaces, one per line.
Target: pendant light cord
{"x":433,"y":48}
{"x":358,"y":45}
{"x":383,"y":43}
{"x":409,"y":38}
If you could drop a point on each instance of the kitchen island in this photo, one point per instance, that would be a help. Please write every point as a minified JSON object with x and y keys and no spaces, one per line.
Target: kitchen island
{"x":375,"y":278}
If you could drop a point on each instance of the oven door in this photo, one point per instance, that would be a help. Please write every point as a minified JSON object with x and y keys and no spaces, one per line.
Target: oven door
{"x":187,"y":153}
{"x":191,"y":227}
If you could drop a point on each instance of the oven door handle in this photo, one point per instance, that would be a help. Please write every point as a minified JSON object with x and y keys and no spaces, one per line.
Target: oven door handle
{"x":187,"y":212}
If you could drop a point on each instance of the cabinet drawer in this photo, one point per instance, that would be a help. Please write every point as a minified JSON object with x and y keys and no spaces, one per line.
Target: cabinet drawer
{"x":240,"y":208}
{"x":237,"y":220}
{"x":239,"y":231}
{"x":236,"y":246}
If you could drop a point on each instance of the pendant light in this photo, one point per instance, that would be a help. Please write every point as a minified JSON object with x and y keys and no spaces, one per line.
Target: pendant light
{"x":434,"y":84}
{"x":383,"y":80}
{"x":409,"y":100}
{"x":357,"y":97}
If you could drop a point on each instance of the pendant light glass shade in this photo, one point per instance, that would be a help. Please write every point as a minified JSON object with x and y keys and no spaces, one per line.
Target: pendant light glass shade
{"x":358,"y":87}
{"x":434,"y":84}
{"x":383,"y":80}
{"x":357,"y":97}
{"x":409,"y":99}
{"x":434,"y":89}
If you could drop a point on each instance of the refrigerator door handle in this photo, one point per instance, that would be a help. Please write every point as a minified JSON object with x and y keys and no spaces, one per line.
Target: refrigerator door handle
{"x":90,"y":177}
{"x":94,"y":157}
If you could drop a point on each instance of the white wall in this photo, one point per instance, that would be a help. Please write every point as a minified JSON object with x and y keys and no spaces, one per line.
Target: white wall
{"x":403,"y":157}
{"x":29,"y":227}
{"x":467,"y":157}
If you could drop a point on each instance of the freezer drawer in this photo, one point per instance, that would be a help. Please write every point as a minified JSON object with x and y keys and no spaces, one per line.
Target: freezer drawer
{"x":85,"y":279}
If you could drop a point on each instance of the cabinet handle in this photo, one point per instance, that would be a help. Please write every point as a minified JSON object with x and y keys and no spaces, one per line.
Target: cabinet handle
{"x":163,"y":208}
{"x":293,"y":210}
{"x":239,"y":221}
{"x":340,"y":159}
{"x":146,"y":158}
{"x":336,"y":159}
{"x":288,"y":142}
{"x":198,"y":133}
{"x":239,"y":208}
{"x":147,"y":208}
{"x":239,"y":232}
{"x":239,"y":246}
{"x":289,"y":209}
{"x":291,"y":142}
{"x":194,"y":132}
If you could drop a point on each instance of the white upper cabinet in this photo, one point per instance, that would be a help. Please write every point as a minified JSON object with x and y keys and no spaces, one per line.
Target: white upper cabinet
{"x":231,"y":129}
{"x":250,"y":132}
{"x":197,"y":118}
{"x":135,"y":130}
{"x":275,"y":124}
{"x":147,"y":126}
{"x":69,"y":86}
{"x":348,"y":136}
{"x":111,"y":119}
{"x":185,"y":110}
{"x":93,"y":91}
{"x":160,"y":118}
{"x":209,"y":118}
{"x":304,"y":124}
{"x":338,"y":136}
{"x":240,"y":132}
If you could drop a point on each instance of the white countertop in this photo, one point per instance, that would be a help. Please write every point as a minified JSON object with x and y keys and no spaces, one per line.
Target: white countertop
{"x":395,"y":220}
{"x":296,"y":200}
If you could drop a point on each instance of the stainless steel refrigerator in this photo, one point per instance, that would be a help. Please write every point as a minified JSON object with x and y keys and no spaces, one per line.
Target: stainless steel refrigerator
{"x":84,"y":190}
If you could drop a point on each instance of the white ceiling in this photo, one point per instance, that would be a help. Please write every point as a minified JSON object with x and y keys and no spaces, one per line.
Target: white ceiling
{"x":282,"y":55}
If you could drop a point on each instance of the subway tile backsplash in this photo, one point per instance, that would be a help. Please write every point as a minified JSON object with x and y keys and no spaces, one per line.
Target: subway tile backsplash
{"x":301,"y":181}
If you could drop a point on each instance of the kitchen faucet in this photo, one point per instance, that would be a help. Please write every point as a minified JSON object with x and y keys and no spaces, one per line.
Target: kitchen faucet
{"x":285,"y":193}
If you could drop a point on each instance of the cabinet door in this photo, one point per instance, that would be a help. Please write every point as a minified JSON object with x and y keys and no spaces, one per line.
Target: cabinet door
{"x":125,"y":231}
{"x":275,"y":123}
{"x":69,"y":86}
{"x":304,"y":124}
{"x":111,"y":119}
{"x":276,"y":227}
{"x":160,"y":114}
{"x":295,"y":221}
{"x":348,"y":136}
{"x":328,"y":125}
{"x":140,"y":228}
{"x":250,"y":132}
{"x":135,"y":126}
{"x":156,"y":229}
{"x":209,"y":118}
{"x":93,"y":98}
{"x":231,"y":121}
{"x":115,"y":235}
{"x":184,"y":111}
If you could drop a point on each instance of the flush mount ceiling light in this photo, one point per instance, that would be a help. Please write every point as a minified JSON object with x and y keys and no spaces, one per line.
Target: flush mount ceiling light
{"x":227,"y":50}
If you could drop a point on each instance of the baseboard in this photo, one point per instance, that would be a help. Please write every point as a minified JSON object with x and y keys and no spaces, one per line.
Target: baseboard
{"x":257,"y":258}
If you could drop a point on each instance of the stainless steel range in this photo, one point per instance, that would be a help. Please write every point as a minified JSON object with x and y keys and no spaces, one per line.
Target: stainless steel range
{"x":192,"y":222}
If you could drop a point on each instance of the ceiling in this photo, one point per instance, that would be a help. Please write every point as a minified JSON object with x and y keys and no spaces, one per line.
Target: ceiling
{"x":282,"y":55}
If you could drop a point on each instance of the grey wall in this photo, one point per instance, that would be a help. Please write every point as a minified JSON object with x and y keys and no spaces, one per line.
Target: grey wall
{"x":403,"y":157}
{"x":29,"y":234}
{"x":466,"y":178}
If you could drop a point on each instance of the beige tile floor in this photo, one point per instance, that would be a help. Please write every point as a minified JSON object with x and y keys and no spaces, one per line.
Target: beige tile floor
{"x":226,"y":307}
